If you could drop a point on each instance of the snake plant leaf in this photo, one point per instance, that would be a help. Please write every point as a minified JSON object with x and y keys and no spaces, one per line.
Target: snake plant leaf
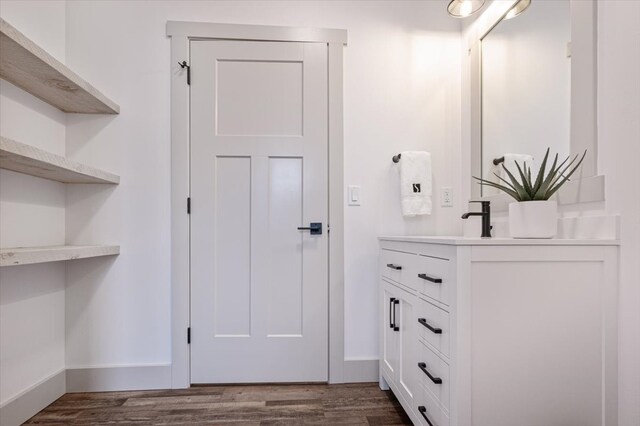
{"x":502,"y":188}
{"x":514,"y":182}
{"x":541,"y":194}
{"x":523,"y":178}
{"x":508,"y":184}
{"x":540,"y":177}
{"x":522,"y":193}
{"x":564,"y":176}
{"x":559,"y":185}
{"x":563,"y":172}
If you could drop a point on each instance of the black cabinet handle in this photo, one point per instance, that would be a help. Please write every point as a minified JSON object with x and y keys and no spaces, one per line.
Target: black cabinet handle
{"x":424,"y":322}
{"x":392,"y":266}
{"x":423,"y":367}
{"x":391,"y":299}
{"x":428,"y":278}
{"x":423,"y":410}
{"x":395,"y":324}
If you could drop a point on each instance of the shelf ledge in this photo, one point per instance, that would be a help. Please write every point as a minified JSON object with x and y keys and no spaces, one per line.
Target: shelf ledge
{"x":31,"y":255}
{"x":23,"y":158}
{"x":28,"y":66}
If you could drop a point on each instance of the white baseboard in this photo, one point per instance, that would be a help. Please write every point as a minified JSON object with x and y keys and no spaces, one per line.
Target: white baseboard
{"x":22,"y":407}
{"x":119,"y":378}
{"x":361,"y":370}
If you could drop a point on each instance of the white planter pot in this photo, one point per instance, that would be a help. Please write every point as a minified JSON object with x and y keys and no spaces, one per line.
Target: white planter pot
{"x":533,"y":219}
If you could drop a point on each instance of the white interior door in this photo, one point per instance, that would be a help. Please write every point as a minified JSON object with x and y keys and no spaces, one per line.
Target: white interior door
{"x":259,"y":149}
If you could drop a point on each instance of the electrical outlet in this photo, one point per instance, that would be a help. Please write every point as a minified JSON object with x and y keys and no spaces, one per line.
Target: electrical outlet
{"x":446,"y":194}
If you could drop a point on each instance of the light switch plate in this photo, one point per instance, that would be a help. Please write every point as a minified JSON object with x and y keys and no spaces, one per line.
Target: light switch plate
{"x":353,"y":195}
{"x":447,"y":196}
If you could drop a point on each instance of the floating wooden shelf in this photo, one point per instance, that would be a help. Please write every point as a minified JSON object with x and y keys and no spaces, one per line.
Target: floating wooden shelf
{"x":29,"y":160}
{"x":28,"y":66}
{"x":29,"y":255}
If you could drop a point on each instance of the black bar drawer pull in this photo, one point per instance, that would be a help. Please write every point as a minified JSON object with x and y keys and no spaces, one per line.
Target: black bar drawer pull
{"x":392,"y":266}
{"x":391,"y":299}
{"x":428,"y":278}
{"x":424,"y":322}
{"x":423,"y":410}
{"x":423,"y":367}
{"x":395,"y":324}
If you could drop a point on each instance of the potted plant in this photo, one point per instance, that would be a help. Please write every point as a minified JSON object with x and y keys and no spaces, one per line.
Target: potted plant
{"x":534,"y":215}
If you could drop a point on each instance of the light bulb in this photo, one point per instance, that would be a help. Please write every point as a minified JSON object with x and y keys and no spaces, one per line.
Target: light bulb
{"x":465,"y":8}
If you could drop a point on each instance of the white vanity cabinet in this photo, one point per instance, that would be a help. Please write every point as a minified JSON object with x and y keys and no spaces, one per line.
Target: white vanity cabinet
{"x":500,"y":332}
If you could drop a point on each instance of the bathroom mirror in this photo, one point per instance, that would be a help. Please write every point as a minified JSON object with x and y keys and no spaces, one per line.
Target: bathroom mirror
{"x":526,"y":88}
{"x":533,"y":86}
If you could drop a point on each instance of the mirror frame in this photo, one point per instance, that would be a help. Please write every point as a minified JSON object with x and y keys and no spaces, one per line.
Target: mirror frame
{"x":590,"y":186}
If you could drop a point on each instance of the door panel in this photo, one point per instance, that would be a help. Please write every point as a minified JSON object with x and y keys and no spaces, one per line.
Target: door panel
{"x":389,"y":334}
{"x":259,"y":145}
{"x":232,"y":233}
{"x":408,"y":346}
{"x":285,"y":254}
{"x":259,"y":98}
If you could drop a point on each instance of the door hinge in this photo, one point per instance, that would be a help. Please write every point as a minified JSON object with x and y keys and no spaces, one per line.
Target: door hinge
{"x":188,"y":205}
{"x":183,"y":65}
{"x":188,"y":335}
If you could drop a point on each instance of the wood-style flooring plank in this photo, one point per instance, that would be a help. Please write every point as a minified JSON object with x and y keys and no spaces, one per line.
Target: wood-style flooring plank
{"x":238,"y":405}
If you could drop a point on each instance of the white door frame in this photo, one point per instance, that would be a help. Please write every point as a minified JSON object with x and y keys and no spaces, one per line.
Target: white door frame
{"x":181,"y":33}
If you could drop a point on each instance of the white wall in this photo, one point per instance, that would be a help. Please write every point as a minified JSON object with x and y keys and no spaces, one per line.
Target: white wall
{"x":618,"y":156}
{"x":402,"y":91}
{"x":32,"y":213}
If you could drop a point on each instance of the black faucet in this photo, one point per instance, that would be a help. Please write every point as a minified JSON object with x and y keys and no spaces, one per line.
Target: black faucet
{"x":486,"y":217}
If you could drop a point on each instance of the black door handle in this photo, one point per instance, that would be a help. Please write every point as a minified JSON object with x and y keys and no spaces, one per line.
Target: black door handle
{"x":428,"y":278}
{"x":391,"y":299}
{"x":314,"y":228}
{"x":424,"y":322}
{"x":423,"y":367}
{"x":395,"y":324}
{"x":392,"y":266}
{"x":423,"y":410}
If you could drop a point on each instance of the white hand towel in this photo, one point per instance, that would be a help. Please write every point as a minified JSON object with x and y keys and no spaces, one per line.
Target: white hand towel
{"x":415,"y":183}
{"x":510,"y":164}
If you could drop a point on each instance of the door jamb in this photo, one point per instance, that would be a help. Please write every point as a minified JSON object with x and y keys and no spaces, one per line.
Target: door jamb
{"x":181,"y":33}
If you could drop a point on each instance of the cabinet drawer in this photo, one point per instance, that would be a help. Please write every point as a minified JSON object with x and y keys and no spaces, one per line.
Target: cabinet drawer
{"x":434,"y":375}
{"x":434,"y":326}
{"x":429,"y":411}
{"x":433,"y":277}
{"x":399,"y":267}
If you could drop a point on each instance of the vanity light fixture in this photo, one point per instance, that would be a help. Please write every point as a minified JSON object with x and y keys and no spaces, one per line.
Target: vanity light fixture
{"x":517,"y":9}
{"x":464,"y":8}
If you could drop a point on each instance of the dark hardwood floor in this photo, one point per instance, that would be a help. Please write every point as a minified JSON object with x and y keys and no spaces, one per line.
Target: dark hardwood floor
{"x":352,"y":404}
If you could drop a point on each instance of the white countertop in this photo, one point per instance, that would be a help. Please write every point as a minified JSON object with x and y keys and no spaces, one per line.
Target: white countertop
{"x":475,"y":241}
